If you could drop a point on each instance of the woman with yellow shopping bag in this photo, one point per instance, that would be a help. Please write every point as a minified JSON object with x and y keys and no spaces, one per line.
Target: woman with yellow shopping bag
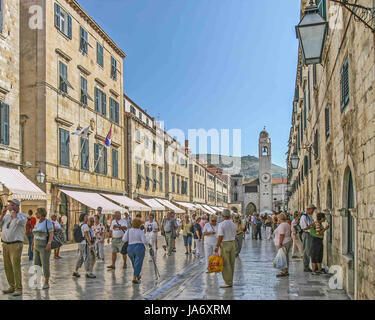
{"x":210,"y":238}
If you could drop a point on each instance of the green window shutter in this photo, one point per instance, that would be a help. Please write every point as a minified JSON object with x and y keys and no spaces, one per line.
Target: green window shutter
{"x":345,"y":90}
{"x":64,"y":147}
{"x":4,"y":116}
{"x":96,"y":157}
{"x":117,"y":112}
{"x":85,"y":154}
{"x":57,"y":16}
{"x":99,"y":54}
{"x":104,"y":104}
{"x":160,"y":181}
{"x":69,"y":27}
{"x":115,"y":163}
{"x":111,"y":109}
{"x":97,"y":108}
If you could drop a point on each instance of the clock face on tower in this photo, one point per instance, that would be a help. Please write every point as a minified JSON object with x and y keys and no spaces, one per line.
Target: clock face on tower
{"x":266,"y":177}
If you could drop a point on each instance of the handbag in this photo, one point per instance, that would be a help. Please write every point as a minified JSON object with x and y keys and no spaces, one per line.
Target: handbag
{"x":215,"y":264}
{"x":57,"y":242}
{"x":124,"y":248}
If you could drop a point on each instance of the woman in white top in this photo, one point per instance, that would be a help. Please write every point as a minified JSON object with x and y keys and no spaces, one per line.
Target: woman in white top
{"x":136,"y":240}
{"x":210,"y":238}
{"x":151,"y":230}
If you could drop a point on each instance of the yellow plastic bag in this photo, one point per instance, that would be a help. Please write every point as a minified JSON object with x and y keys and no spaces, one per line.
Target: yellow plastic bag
{"x":215,"y":264}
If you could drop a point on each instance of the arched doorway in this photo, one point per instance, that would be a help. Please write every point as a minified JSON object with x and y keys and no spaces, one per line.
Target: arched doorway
{"x":349,"y":228}
{"x":251,"y":208}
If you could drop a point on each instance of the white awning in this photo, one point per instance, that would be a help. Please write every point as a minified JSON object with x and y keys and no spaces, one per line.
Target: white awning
{"x":200,"y":207}
{"x":153,"y":204}
{"x":130,"y":204}
{"x":209,"y":208}
{"x":20,"y":186}
{"x":217,"y":209}
{"x":171,"y":206}
{"x":94,"y":200}
{"x":188,"y":206}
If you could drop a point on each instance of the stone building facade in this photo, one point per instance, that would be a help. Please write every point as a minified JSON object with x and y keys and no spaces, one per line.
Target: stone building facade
{"x":71,"y":78}
{"x":333,"y":133}
{"x":197,"y":182}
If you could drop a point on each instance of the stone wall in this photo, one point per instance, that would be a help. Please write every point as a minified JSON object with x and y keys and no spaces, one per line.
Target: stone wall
{"x":348,"y":150}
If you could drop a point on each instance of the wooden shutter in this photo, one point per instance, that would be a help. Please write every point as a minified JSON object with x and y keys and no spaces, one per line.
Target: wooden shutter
{"x":57,"y":16}
{"x":85,"y":165}
{"x":111,"y":109}
{"x":4,"y":117}
{"x":105,"y":162}
{"x":69,"y":27}
{"x":64,"y":147}
{"x":345,"y":84}
{"x":117,"y":112}
{"x":104,"y":104}
{"x":327,"y":120}
{"x":115,"y":163}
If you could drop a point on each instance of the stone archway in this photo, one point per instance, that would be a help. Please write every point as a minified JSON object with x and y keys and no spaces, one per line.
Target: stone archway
{"x":251,"y":208}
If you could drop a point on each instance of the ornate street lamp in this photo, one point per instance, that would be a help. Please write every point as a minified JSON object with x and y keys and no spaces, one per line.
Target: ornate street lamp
{"x":41,"y":177}
{"x":311,"y":32}
{"x":294,"y":161}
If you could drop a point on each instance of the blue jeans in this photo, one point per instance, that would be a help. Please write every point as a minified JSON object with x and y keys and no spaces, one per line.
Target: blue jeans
{"x":188,"y":240}
{"x":30,"y":253}
{"x":136,"y":254}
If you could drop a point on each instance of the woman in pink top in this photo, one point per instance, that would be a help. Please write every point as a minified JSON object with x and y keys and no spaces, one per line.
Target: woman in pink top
{"x":283,"y":239}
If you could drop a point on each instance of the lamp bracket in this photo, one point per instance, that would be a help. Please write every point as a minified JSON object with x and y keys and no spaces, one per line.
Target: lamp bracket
{"x":361,"y":13}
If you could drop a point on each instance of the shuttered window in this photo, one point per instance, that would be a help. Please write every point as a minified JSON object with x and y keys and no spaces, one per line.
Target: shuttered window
{"x":113,"y":68}
{"x":304,"y":111}
{"x":84,"y":93}
{"x":115,"y":163}
{"x":327,"y":120}
{"x":63,"y":21}
{"x":84,"y":43}
{"x":139,"y":175}
{"x":178,"y":184}
{"x":100,"y":157}
{"x":114,"y":110}
{"x":64,"y":84}
{"x":316,"y":144}
{"x":100,"y":101}
{"x":173,"y":184}
{"x":4,"y":124}
{"x":345,"y":90}
{"x":154,"y":179}
{"x":99,"y":54}
{"x":85,"y":162}
{"x":147,"y":173}
{"x":64,"y":147}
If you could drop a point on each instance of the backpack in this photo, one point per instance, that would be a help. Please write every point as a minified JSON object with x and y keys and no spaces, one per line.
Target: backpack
{"x":77,"y":234}
{"x":258,"y":222}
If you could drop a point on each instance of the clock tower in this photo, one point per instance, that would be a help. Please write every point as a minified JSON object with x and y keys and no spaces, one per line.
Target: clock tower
{"x":265,"y":172}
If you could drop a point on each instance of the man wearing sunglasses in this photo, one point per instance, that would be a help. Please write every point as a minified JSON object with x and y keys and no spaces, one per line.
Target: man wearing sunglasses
{"x":13,"y":229}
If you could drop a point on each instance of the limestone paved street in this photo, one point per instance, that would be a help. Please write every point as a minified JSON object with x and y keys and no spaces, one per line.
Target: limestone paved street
{"x":182,"y":278}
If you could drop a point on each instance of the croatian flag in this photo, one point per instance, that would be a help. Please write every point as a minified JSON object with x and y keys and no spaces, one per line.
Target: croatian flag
{"x":108,"y":140}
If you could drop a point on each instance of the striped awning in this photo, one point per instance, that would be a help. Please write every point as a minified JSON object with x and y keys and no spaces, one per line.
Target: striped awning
{"x":21,"y":188}
{"x":170,"y":206}
{"x":188,"y":206}
{"x":128,"y":203}
{"x":153,"y":204}
{"x":200,"y":207}
{"x":93,"y":201}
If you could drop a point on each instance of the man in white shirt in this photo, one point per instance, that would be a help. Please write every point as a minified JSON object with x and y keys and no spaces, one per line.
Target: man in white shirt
{"x":151,"y":230}
{"x":13,"y":230}
{"x":117,"y":231}
{"x":226,"y":243}
{"x":306,"y":222}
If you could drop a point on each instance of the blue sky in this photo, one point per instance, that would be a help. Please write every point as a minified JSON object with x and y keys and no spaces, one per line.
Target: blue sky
{"x":224,"y":64}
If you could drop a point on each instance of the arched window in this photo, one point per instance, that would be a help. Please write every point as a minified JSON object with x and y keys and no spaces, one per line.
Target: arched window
{"x":350,"y":205}
{"x":265,"y":151}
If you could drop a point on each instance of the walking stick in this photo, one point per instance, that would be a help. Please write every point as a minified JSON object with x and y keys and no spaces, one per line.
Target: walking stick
{"x":157,"y":274}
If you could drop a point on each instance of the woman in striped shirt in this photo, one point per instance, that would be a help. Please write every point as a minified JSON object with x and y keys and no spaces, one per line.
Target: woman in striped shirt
{"x":317,"y":233}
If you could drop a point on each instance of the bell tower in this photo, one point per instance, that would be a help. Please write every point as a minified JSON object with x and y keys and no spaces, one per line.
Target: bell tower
{"x":265,"y":172}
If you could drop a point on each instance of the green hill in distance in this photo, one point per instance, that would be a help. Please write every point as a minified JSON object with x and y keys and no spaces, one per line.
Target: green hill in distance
{"x":248,"y":166}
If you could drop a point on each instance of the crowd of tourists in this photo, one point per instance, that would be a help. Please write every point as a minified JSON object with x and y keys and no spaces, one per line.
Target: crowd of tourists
{"x":203,"y":236}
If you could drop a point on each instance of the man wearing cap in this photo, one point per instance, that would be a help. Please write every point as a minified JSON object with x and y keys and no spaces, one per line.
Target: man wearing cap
{"x":306,"y":222}
{"x":13,"y":229}
{"x":226,"y":242}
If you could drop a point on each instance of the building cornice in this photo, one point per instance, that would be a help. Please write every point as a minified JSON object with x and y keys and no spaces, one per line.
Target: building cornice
{"x":74,"y":4}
